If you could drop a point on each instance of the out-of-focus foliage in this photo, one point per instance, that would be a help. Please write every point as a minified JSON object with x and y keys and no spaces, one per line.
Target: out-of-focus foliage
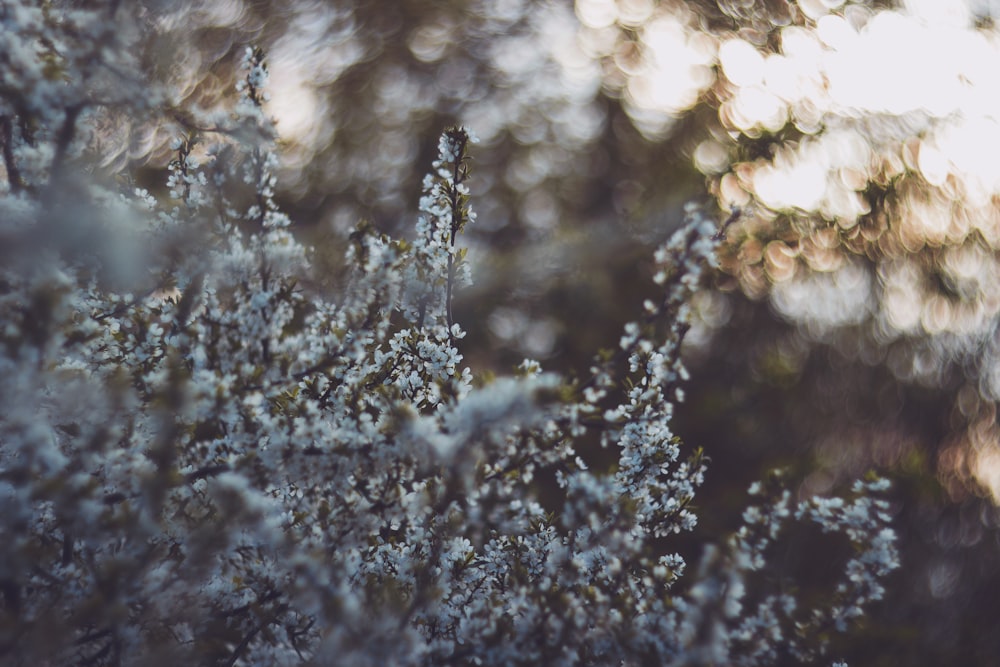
{"x":874,"y":224}
{"x":860,"y":141}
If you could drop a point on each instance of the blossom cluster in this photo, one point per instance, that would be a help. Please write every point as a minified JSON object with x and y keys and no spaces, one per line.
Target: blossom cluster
{"x":204,"y":460}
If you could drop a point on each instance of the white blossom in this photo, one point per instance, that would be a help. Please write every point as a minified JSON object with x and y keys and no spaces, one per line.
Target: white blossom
{"x":209,"y":462}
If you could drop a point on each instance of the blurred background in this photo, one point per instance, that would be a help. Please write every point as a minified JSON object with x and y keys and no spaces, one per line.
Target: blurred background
{"x":854,"y":323}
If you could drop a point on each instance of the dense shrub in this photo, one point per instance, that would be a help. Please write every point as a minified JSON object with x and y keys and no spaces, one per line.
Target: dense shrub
{"x":204,"y":459}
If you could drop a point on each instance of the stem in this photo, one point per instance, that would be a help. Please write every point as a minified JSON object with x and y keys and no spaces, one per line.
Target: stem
{"x":457,"y":222}
{"x":13,"y":174}
{"x":65,"y":137}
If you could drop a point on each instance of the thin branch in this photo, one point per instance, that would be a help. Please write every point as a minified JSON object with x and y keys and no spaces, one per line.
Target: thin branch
{"x":459,"y":174}
{"x":67,"y":132}
{"x":13,"y":173}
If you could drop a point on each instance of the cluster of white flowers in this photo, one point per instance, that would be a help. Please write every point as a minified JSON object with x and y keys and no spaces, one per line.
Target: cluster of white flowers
{"x":201,"y":462}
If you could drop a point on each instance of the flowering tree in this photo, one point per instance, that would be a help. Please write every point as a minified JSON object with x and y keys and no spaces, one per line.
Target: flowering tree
{"x":204,"y":461}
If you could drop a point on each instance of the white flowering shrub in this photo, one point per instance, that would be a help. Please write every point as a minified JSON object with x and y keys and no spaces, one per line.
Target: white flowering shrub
{"x":202,"y":462}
